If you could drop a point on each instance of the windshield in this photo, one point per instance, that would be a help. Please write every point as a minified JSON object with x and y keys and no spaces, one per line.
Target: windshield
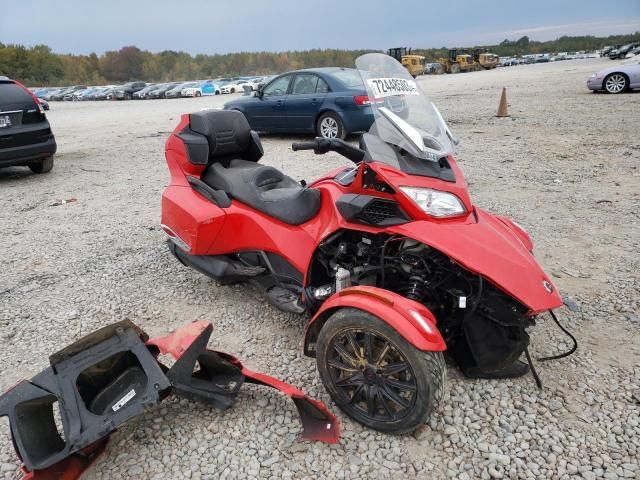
{"x":403,"y":115}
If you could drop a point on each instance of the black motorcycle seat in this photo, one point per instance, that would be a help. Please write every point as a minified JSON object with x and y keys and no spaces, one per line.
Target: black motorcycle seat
{"x":266,"y":189}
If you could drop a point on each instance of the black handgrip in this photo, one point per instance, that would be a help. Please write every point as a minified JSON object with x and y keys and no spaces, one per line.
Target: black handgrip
{"x":304,"y":146}
{"x":323,"y":145}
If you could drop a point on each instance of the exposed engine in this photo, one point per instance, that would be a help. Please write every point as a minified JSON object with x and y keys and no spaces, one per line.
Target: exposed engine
{"x":482,"y":325}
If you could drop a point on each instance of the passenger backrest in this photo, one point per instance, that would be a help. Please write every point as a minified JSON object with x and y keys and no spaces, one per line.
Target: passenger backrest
{"x":219,"y":136}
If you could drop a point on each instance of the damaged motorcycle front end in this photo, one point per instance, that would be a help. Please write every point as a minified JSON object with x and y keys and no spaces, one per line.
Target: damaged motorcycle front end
{"x":61,"y":418}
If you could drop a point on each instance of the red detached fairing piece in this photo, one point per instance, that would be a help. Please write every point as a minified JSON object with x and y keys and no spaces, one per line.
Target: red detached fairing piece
{"x":112,"y":375}
{"x":317,"y":421}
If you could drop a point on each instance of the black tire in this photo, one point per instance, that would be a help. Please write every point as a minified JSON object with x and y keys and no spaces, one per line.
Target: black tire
{"x":402,"y":400}
{"x":42,"y":166}
{"x":233,"y":90}
{"x":329,"y":125}
{"x":620,"y":85}
{"x":198,"y":94}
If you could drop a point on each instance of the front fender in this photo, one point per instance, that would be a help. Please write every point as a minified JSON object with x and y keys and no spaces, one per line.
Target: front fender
{"x":410,"y":319}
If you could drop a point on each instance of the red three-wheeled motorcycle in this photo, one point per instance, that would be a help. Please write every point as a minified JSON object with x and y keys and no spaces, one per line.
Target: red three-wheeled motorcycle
{"x":390,"y":258}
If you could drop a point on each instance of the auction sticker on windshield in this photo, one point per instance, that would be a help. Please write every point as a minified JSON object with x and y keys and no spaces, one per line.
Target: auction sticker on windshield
{"x":387,"y":87}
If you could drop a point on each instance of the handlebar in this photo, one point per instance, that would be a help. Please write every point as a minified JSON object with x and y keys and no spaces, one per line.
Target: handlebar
{"x":323,"y":145}
{"x":303,"y":146}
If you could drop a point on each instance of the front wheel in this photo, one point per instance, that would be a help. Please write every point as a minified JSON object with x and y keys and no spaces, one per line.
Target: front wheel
{"x":616,"y":83}
{"x":375,"y":376}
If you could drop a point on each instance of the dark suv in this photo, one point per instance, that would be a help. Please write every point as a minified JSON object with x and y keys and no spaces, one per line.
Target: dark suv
{"x":25,"y":133}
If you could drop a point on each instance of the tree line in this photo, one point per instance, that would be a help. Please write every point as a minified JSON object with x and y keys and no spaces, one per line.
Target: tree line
{"x":40,"y":66}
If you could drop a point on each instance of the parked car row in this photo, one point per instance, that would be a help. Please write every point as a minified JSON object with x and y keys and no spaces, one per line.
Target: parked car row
{"x":143,"y":91}
{"x":624,"y":51}
{"x":545,"y":57}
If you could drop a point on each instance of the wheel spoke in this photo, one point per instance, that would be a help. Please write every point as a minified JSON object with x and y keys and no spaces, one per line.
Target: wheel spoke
{"x":353,"y":343}
{"x":394,"y":368}
{"x":394,"y":397}
{"x":368,"y":347}
{"x":382,"y":354}
{"x":344,"y":354}
{"x":406,"y":386}
{"x":386,"y":406}
{"x":357,"y":393}
{"x":372,"y":394}
{"x":341,"y":366}
{"x":353,"y":381}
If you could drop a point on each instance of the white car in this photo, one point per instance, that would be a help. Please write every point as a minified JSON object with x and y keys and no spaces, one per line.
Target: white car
{"x":253,"y":83}
{"x":236,"y":86}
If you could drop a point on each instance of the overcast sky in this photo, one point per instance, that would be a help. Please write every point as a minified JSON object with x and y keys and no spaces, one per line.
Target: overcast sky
{"x":213,"y":26}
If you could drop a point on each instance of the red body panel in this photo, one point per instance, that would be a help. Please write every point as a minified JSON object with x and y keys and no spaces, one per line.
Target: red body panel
{"x":196,"y":220}
{"x":318,"y":422}
{"x":389,"y":307}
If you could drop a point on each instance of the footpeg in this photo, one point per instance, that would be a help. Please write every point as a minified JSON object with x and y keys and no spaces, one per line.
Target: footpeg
{"x":285,"y":300}
{"x":245,"y":270}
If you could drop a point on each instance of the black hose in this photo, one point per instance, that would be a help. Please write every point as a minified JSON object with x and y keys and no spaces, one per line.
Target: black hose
{"x":477,"y":302}
{"x":382,"y":257}
{"x":567,"y":353}
{"x":536,"y":377}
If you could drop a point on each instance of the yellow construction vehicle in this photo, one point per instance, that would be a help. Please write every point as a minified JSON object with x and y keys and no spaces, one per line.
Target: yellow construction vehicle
{"x":459,"y":61}
{"x":488,"y":60}
{"x":412,"y":62}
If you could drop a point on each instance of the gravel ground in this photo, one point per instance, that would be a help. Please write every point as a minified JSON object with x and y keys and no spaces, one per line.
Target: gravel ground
{"x":564,"y":165}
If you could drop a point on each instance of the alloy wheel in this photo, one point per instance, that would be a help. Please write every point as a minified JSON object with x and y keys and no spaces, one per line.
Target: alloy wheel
{"x":616,"y":83}
{"x":329,"y":127}
{"x":372,"y":375}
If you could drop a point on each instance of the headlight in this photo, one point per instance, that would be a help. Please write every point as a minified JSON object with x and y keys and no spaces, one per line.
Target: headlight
{"x":594,"y":75}
{"x":435,"y":202}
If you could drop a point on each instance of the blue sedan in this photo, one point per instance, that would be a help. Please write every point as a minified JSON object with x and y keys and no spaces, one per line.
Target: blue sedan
{"x":330,"y":102}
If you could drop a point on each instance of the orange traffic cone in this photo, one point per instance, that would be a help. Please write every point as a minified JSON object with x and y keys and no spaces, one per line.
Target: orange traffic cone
{"x":502,"y":108}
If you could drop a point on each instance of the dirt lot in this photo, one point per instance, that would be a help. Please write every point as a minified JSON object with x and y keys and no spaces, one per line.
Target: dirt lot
{"x":564,"y":165}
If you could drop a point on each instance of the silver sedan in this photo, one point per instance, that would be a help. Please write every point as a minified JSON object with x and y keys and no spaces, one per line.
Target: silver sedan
{"x":617,"y":79}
